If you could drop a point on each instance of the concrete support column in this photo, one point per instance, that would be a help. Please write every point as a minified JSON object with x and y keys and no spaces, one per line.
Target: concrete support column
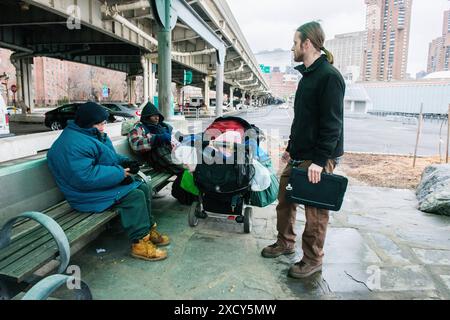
{"x":206,"y":90}
{"x":151,"y":81}
{"x":28,"y":83}
{"x":231,"y":97}
{"x":165,"y":72}
{"x":19,"y":91}
{"x":25,"y":85}
{"x":243,"y":97}
{"x":144,"y":62}
{"x":352,"y":106}
{"x":131,"y":89}
{"x":179,"y":89}
{"x":219,"y":89}
{"x":251,"y":99}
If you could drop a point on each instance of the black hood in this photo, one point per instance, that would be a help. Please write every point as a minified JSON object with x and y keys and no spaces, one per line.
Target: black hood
{"x":150,"y":110}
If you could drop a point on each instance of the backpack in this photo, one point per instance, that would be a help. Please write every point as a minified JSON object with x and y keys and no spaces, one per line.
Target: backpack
{"x":230,"y":178}
{"x":183,"y":196}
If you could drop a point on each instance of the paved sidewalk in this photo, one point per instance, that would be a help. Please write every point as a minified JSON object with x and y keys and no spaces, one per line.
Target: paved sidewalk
{"x":378,"y":247}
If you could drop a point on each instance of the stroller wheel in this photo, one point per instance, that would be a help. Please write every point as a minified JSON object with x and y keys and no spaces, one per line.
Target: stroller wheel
{"x":248,"y":220}
{"x":192,"y":219}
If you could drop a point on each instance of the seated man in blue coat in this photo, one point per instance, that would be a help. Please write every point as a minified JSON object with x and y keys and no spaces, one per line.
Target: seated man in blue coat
{"x":94,"y":178}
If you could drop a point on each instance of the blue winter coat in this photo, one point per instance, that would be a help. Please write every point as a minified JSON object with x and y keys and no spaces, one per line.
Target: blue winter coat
{"x":87,"y":169}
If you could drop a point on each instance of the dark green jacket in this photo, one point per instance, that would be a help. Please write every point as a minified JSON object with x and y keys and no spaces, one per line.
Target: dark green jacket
{"x":317,"y":130}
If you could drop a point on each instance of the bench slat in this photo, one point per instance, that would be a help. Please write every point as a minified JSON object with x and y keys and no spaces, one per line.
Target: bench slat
{"x":48,"y":251}
{"x":35,"y":235}
{"x":159,"y":179}
{"x":57,"y":215}
{"x":24,"y":252}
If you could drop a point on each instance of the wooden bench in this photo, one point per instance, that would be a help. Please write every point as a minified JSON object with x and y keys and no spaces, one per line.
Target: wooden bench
{"x":31,"y":253}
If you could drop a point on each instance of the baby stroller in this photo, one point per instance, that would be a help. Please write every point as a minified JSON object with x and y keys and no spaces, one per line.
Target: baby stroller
{"x":223,"y":177}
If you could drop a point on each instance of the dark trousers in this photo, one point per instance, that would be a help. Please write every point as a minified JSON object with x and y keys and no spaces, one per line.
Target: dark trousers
{"x":313,"y":238}
{"x":136,"y":212}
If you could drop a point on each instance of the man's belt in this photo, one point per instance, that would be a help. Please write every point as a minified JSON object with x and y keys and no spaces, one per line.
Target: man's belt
{"x":295,"y":162}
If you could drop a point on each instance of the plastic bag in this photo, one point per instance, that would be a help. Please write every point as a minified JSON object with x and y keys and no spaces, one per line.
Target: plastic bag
{"x":261,"y":179}
{"x":268,"y":196}
{"x":186,"y":156}
{"x":188,"y":184}
{"x":127,"y":126}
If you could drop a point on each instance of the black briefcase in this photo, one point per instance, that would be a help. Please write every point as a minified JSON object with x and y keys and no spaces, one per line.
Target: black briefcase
{"x":327,"y":194}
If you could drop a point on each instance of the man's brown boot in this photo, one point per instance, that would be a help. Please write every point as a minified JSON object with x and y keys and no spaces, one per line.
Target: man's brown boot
{"x":302,"y":270}
{"x":276,"y":250}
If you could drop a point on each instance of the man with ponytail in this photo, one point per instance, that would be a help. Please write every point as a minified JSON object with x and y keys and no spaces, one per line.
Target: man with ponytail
{"x":315,"y":143}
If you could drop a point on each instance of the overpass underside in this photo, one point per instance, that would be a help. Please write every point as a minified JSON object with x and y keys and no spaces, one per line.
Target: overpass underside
{"x":122,"y":36}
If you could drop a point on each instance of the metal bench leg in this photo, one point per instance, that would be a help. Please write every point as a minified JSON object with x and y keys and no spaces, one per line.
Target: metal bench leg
{"x":51,"y":225}
{"x":44,"y":288}
{"x":9,"y":288}
{"x":5,"y":290}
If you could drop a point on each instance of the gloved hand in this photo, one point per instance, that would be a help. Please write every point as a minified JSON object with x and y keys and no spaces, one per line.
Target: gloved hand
{"x":132,"y":164}
{"x":166,"y":137}
{"x":127,"y":180}
{"x":162,"y":138}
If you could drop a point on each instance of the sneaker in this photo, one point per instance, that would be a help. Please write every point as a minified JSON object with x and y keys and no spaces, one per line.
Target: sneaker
{"x":157,"y":238}
{"x":276,"y":250}
{"x":302,"y":270}
{"x":146,"y":250}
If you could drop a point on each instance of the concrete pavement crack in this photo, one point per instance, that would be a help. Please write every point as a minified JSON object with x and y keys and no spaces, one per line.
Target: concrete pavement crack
{"x":358,"y":281}
{"x":255,"y":288}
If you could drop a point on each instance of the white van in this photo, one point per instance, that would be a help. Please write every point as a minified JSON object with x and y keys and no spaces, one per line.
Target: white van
{"x":4,"y":117}
{"x":195,"y":102}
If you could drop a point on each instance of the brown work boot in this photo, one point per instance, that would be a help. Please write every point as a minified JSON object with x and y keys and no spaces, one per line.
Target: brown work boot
{"x":302,"y":270}
{"x":276,"y":250}
{"x":157,"y":238}
{"x":146,"y":250}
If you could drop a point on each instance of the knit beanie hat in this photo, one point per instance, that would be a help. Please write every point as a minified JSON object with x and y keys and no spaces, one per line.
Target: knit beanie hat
{"x":90,"y":113}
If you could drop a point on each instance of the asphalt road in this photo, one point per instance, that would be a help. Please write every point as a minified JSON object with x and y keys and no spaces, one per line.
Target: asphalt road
{"x":20,"y":128}
{"x":362,"y":133}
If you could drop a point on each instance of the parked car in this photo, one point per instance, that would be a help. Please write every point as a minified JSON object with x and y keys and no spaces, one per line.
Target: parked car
{"x":56,"y":119}
{"x":123,"y":109}
{"x":13,"y":110}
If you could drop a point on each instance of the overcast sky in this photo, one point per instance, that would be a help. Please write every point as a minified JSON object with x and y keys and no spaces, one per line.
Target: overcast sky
{"x":270,"y":24}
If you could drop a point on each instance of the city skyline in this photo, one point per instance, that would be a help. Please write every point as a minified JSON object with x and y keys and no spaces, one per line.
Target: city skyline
{"x":388,"y":25}
{"x":439,"y":53}
{"x":337,"y":18}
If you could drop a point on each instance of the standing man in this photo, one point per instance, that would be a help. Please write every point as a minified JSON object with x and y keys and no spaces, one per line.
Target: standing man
{"x":316,"y":141}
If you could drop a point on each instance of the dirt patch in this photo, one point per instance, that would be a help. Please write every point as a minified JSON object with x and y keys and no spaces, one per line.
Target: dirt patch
{"x":385,"y":170}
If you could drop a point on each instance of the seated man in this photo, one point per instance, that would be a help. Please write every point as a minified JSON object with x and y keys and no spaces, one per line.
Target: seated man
{"x":151,"y":137}
{"x":93,"y":178}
